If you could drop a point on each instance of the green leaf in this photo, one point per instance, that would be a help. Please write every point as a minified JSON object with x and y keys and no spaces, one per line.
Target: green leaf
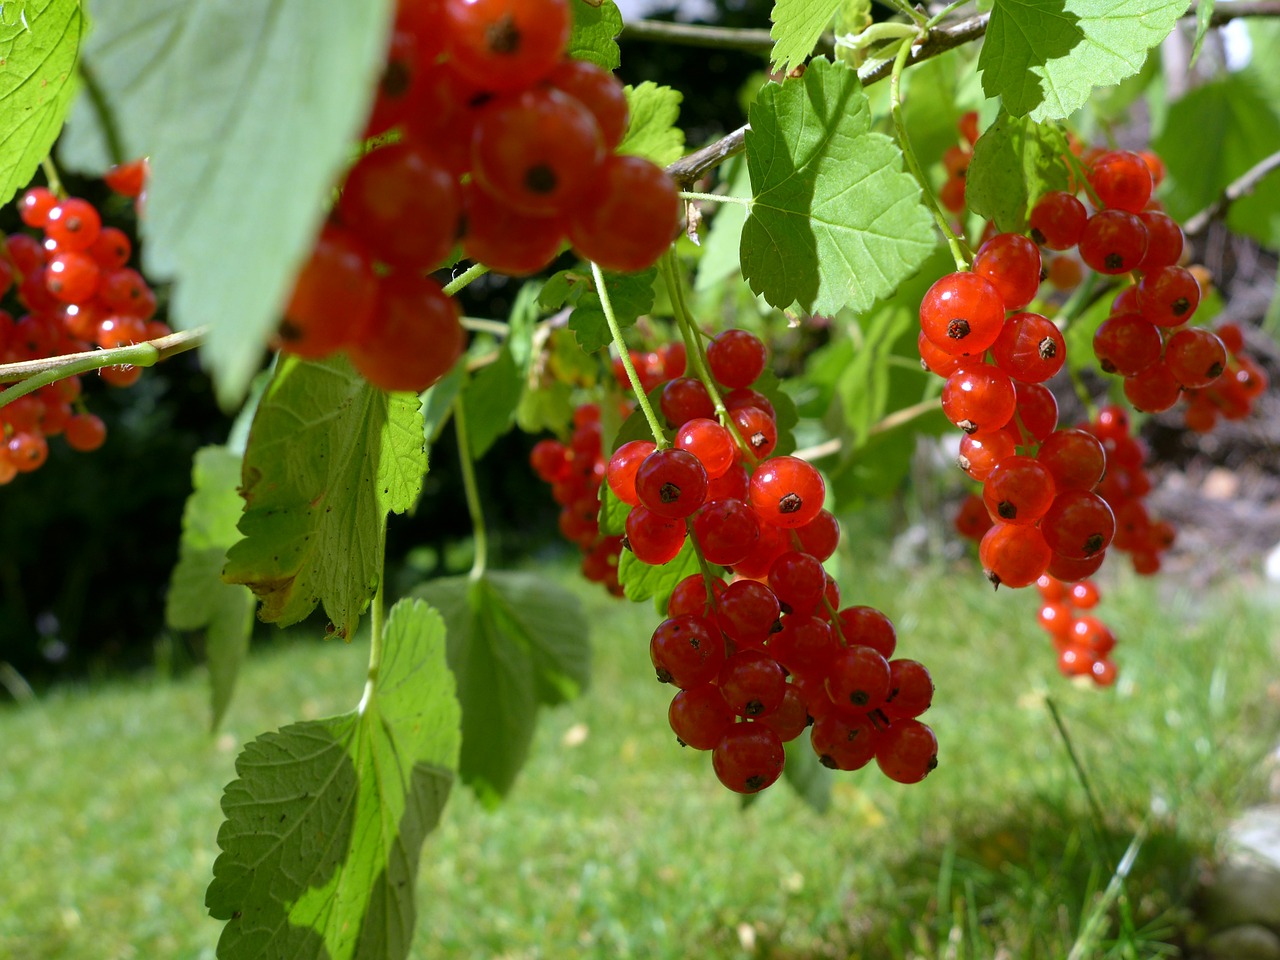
{"x":1014,"y":163}
{"x":613,"y":512}
{"x":806,"y":775}
{"x":38,"y":44}
{"x":719,"y":259}
{"x":198,"y":598}
{"x":594,"y":29}
{"x":797,"y":25}
{"x":328,"y":457}
{"x":516,"y":642}
{"x":652,"y":132}
{"x":1204,"y":16}
{"x":863,"y":386}
{"x":326,"y":820}
{"x":1078,"y":334}
{"x":641,"y":581}
{"x":1043,"y":58}
{"x":1235,"y":115}
{"x":437,"y":402}
{"x":835,"y":219}
{"x":631,"y":295}
{"x":248,"y":112}
{"x":492,"y":396}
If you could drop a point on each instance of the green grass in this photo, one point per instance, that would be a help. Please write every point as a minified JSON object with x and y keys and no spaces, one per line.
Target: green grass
{"x":623,"y":845}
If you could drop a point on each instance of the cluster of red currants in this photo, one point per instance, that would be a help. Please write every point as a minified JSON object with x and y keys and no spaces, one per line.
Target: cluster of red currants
{"x":498,"y":142}
{"x":1084,"y":643}
{"x":1125,"y":488}
{"x":956,"y":159}
{"x":759,"y":659}
{"x":1046,"y":515}
{"x":75,"y":292}
{"x":1232,"y":395}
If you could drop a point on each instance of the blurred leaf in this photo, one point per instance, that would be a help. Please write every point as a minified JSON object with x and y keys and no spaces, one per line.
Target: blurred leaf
{"x":805,"y":774}
{"x":326,"y":821}
{"x":1044,"y":59}
{"x":328,"y":457}
{"x":835,"y":220}
{"x":719,"y":260}
{"x":613,"y":512}
{"x":198,"y":598}
{"x":39,"y":40}
{"x":492,"y":396}
{"x":1235,"y":115}
{"x":516,"y":642}
{"x":437,"y":402}
{"x":784,"y":409}
{"x":1015,"y":162}
{"x":652,"y":132}
{"x":594,"y":28}
{"x":797,"y":25}
{"x":248,"y":113}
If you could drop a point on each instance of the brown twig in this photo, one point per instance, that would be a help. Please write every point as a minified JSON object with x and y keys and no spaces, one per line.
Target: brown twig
{"x":1236,"y":189}
{"x":939,"y":40}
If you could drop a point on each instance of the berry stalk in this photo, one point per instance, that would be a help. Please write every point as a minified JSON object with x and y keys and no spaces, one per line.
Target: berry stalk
{"x":478,"y":530}
{"x":606,"y":304}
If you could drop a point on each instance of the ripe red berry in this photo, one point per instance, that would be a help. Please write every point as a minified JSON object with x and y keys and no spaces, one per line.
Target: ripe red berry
{"x":1012,"y":263}
{"x":73,"y":224}
{"x":1196,"y":357}
{"x":35,"y":205}
{"x":505,"y":45}
{"x":910,"y":690}
{"x":748,"y":612}
{"x":1164,"y":240}
{"x":1014,"y":555}
{"x":684,"y":399}
{"x":1168,"y":296}
{"x":736,"y":357}
{"x":1078,"y":525}
{"x":757,"y":428}
{"x":535,"y":150}
{"x":1018,"y":490}
{"x":820,"y":536}
{"x":858,"y":677}
{"x":85,"y":432}
{"x":1057,"y":220}
{"x":726,"y":530}
{"x":1127,"y":343}
{"x":962,"y":314}
{"x":1153,"y":389}
{"x":1074,"y":458}
{"x":980,"y":452}
{"x":1114,"y":241}
{"x":653,"y":539}
{"x":711,"y":443}
{"x":599,"y":91}
{"x":507,"y":241}
{"x":798,"y":581}
{"x":787,"y":492}
{"x":752,"y":683}
{"x":1030,"y":348}
{"x":979,"y":396}
{"x":671,"y":483}
{"x":128,"y":179}
{"x":334,"y":296}
{"x":621,"y":472}
{"x":907,"y":752}
{"x":1122,"y":180}
{"x":628,"y":216}
{"x":748,"y":758}
{"x":414,"y":337}
{"x":687,"y":650}
{"x":699,"y":716}
{"x":844,"y":741}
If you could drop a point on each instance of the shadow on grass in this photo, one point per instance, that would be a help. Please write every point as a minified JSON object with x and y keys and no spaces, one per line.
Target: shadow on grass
{"x":1031,"y":884}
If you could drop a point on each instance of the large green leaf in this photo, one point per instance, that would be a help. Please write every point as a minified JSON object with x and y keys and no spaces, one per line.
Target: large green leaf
{"x":326,"y":822}
{"x":652,"y":132}
{"x":328,"y":457}
{"x":1014,"y":162}
{"x":38,"y":44}
{"x":595,"y":25}
{"x":835,"y":220}
{"x":248,"y":112}
{"x":1044,"y":57}
{"x":516,"y":642}
{"x":797,"y":25}
{"x":1236,"y":116}
{"x":198,"y":598}
{"x":641,"y":581}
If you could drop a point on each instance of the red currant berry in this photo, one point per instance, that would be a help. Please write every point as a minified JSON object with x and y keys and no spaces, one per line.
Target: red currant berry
{"x":979,"y":396}
{"x":684,"y":399}
{"x":671,"y":483}
{"x":1014,"y":555}
{"x":980,"y":452}
{"x":1057,"y":220}
{"x":726,"y":530}
{"x":334,"y":296}
{"x":624,"y":463}
{"x":1168,"y":296}
{"x":505,"y":44}
{"x":502,"y":238}
{"x":748,"y":612}
{"x":687,"y":651}
{"x":1122,"y":180}
{"x":736,"y":358}
{"x":699,"y":716}
{"x":1127,"y":343}
{"x":711,"y":443}
{"x":910,"y":690}
{"x":844,"y":741}
{"x":858,"y":677}
{"x":35,"y":205}
{"x":1074,"y":458}
{"x":1164,"y":241}
{"x":907,"y":752}
{"x":73,"y":225}
{"x":1153,"y":389}
{"x":414,"y":338}
{"x":1030,"y":348}
{"x":748,"y":758}
{"x":798,"y":581}
{"x":820,"y":536}
{"x":599,"y":91}
{"x":752,"y":683}
{"x":1078,"y":525}
{"x":1114,"y":241}
{"x":1196,"y":357}
{"x":787,"y":492}
{"x":1012,"y":263}
{"x":1019,"y":490}
{"x":628,"y":217}
{"x":962,"y":314}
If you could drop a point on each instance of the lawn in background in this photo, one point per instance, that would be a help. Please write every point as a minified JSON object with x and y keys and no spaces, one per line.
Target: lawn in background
{"x":617,"y":843}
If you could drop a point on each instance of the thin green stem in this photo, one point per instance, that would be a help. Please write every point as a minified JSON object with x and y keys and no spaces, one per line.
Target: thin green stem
{"x":375,"y":641}
{"x":478,"y":531}
{"x":473,"y":272}
{"x":34,"y":374}
{"x":960,"y":251}
{"x":877,"y":33}
{"x":1095,"y":808}
{"x":606,"y":304}
{"x":714,"y":197}
{"x":906,"y":7}
{"x":51,"y":176}
{"x":945,"y":12}
{"x":480,"y":325}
